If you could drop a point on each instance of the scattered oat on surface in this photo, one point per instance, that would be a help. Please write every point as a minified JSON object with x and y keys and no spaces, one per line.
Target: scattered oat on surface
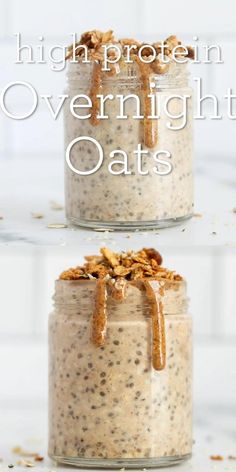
{"x":103,"y":230}
{"x":25,"y":463}
{"x":197,"y":215}
{"x":216,"y":458}
{"x":234,"y":210}
{"x":56,"y":206}
{"x":37,"y":216}
{"x":130,"y":265}
{"x":24,"y":453}
{"x":39,"y":458}
{"x":57,"y":225}
{"x":233,"y":458}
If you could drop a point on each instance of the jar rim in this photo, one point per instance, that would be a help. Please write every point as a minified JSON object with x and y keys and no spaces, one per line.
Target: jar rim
{"x":129,"y":282}
{"x":177,"y":73}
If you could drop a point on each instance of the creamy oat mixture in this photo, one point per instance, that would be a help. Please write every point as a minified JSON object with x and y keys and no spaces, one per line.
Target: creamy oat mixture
{"x":132,"y":199}
{"x":120,"y":383}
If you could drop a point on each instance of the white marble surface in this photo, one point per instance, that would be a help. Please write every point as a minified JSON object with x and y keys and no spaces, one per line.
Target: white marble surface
{"x":28,"y":185}
{"x":214,"y":434}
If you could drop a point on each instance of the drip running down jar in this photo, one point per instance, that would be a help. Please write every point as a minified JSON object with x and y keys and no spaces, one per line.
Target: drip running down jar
{"x":127,"y":403}
{"x":132,"y":200}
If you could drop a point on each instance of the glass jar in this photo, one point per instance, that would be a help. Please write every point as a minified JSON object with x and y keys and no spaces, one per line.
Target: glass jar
{"x":108,"y":406}
{"x":139,"y":198}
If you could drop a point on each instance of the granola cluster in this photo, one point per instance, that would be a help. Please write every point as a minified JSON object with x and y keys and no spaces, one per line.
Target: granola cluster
{"x":94,"y":40}
{"x":126,"y":265}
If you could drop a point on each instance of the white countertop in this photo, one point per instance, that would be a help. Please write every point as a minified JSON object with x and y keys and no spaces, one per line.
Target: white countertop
{"x":29,"y":185}
{"x":214,"y":434}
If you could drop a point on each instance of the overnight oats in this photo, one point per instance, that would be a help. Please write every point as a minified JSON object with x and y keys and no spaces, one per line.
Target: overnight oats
{"x":134,"y":168}
{"x":120,"y":364}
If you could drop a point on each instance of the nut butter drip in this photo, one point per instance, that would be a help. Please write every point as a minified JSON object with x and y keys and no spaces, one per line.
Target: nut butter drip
{"x":118,"y":289}
{"x":99,"y":320}
{"x":149,"y":125}
{"x":158,"y":326}
{"x":94,"y":90}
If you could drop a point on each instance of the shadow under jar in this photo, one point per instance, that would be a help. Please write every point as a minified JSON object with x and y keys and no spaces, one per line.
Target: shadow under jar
{"x":135,"y":200}
{"x":109,"y":406}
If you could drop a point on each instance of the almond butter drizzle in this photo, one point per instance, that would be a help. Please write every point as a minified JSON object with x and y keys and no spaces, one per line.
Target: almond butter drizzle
{"x":150,"y":126}
{"x":99,"y":320}
{"x":158,"y":326}
{"x":118,"y":289}
{"x":94,"y":90}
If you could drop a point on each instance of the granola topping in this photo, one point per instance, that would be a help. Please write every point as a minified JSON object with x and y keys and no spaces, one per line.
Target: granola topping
{"x":130,"y":265}
{"x":113,"y":271}
{"x":93,"y":42}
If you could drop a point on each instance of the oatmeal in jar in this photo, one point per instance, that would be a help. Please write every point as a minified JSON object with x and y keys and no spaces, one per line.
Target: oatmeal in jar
{"x":145,"y":177}
{"x":120,"y":364}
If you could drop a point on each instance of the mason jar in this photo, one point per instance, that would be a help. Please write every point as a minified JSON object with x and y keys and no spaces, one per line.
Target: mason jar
{"x":112,"y":406}
{"x":154,"y":189}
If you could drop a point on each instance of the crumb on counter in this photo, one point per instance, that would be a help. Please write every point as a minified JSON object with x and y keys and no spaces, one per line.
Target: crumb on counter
{"x":217,"y":457}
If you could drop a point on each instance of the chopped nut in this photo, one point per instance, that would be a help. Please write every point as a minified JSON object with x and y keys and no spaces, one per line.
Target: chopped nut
{"x":191,"y":52}
{"x":216,"y":458}
{"x":39,"y":458}
{"x":121,"y":271}
{"x":110,"y":256}
{"x":154,"y":255}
